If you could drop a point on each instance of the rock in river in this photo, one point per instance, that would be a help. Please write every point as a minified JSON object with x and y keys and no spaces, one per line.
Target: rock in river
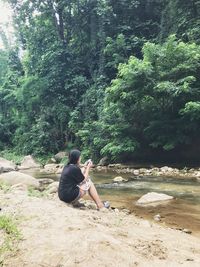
{"x":119,"y":179}
{"x":53,"y":168}
{"x":103,"y":161}
{"x":136,"y":172}
{"x":29,"y":162}
{"x":153,"y":197}
{"x":14,"y":177}
{"x":157,"y":218}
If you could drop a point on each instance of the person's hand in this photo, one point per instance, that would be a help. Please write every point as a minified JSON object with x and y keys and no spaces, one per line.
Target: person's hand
{"x":89,"y":164}
{"x":85,"y":164}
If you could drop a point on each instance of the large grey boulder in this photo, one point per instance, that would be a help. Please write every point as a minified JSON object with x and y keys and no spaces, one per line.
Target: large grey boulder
{"x":153,"y":198}
{"x":60,"y":155}
{"x":103,"y":161}
{"x":6,"y":165}
{"x":28,"y":163}
{"x":14,"y":177}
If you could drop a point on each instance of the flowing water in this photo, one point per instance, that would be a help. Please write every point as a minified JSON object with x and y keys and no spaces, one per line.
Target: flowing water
{"x":182,"y":212}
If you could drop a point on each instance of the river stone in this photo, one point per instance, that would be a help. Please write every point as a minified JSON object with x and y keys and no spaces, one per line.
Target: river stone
{"x":166,"y":169}
{"x":60,"y":155}
{"x":148,"y":172}
{"x":14,"y":177}
{"x":187,"y":231}
{"x":117,"y":166}
{"x":142,"y":170}
{"x":103,"y":161}
{"x":119,"y":179}
{"x":155,"y":169}
{"x":28,"y":163}
{"x":157,"y":218}
{"x":136,"y":172}
{"x":153,"y":197}
{"x":100,"y":168}
{"x":6,"y":165}
{"x":52,"y":168}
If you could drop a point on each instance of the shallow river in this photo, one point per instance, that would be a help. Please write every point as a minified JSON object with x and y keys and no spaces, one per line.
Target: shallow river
{"x":182,"y":212}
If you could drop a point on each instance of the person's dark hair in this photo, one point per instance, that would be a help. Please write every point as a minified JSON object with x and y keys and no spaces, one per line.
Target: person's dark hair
{"x":74,"y":156}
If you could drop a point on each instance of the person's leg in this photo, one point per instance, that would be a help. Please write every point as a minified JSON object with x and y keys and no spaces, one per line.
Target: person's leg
{"x":94,"y":195}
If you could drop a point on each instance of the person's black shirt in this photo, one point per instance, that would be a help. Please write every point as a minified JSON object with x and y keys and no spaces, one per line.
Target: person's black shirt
{"x":71,"y":176}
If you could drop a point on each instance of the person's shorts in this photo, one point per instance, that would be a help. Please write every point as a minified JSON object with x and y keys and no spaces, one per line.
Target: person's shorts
{"x":85,"y":186}
{"x":76,"y":199}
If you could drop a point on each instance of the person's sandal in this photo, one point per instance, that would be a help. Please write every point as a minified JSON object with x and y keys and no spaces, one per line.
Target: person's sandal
{"x":106,"y":206}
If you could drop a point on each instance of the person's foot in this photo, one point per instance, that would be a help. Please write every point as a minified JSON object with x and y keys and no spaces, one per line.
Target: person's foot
{"x":106,"y":204}
{"x":103,"y":205}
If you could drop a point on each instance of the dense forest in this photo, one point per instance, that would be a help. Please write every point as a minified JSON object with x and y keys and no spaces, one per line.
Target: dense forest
{"x":115,"y":78}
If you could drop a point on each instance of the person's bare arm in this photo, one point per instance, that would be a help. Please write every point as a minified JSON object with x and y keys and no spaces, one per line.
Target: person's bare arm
{"x":83,"y":168}
{"x":87,"y":169}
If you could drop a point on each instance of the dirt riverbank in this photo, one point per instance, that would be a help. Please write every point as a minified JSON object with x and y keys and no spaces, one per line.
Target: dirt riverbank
{"x":57,"y":235}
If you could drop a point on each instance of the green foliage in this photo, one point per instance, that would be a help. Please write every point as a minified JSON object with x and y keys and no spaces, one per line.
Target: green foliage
{"x":150,"y":100}
{"x":4,"y":187}
{"x":36,"y":193}
{"x":192,"y":111}
{"x":3,"y":65}
{"x":7,"y":225}
{"x":11,"y":235}
{"x":11,"y":155}
{"x":55,"y":86}
{"x":118,"y":150}
{"x":36,"y":140}
{"x":181,"y":17}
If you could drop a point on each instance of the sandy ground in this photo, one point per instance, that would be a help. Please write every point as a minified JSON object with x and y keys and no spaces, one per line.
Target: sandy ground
{"x":58,"y":235}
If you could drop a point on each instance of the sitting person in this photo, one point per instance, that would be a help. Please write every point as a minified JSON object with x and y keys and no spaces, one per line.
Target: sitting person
{"x":75,"y":183}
